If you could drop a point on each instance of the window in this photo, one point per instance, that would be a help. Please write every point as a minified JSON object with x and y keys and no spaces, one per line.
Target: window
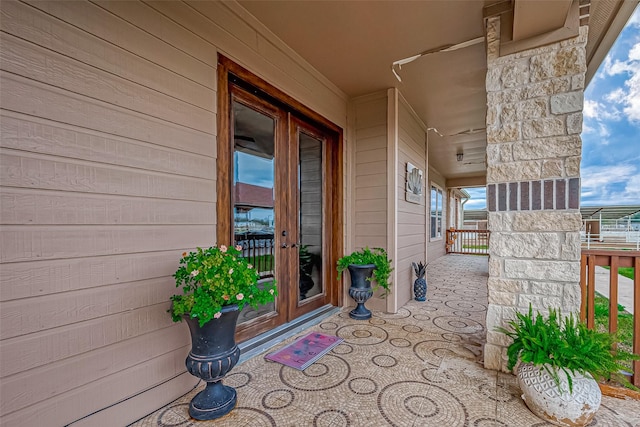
{"x":436,"y":212}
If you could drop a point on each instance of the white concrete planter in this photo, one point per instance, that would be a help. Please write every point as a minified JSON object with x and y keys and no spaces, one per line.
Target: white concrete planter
{"x":561,"y":408}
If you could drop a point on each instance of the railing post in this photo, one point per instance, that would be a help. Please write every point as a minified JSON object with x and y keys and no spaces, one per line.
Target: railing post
{"x":636,"y":320}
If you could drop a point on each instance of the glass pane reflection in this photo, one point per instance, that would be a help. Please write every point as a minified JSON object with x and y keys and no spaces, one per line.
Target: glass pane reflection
{"x":310,"y":187}
{"x":253,"y":184}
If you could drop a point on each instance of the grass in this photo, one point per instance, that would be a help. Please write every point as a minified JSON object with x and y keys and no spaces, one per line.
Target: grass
{"x":475,"y":246}
{"x":624,"y":271}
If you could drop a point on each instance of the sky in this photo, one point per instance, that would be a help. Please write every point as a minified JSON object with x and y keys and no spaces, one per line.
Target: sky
{"x":610,"y":168}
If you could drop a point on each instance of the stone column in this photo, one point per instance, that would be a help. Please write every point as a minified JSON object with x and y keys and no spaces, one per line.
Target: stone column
{"x":534,"y":120}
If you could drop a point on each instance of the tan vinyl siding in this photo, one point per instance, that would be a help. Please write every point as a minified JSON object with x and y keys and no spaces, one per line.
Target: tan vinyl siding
{"x":108,"y":146}
{"x":411,"y":217}
{"x":436,"y":248}
{"x":369,"y":220}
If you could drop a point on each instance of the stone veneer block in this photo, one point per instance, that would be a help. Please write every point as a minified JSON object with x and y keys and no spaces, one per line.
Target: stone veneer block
{"x":567,"y":103}
{"x":548,"y":194}
{"x":536,"y":199}
{"x":542,"y":221}
{"x":502,"y":197}
{"x":491,"y":197}
{"x":574,"y":193}
{"x":561,"y":196}
{"x":513,"y":196}
{"x":524,"y":196}
{"x":542,"y":270}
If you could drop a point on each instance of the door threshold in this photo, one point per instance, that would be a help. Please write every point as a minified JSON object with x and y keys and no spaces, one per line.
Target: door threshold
{"x":256,"y":345}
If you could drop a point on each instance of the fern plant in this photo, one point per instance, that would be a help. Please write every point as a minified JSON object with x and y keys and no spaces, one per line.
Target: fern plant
{"x":377,"y":256}
{"x":564,"y":344}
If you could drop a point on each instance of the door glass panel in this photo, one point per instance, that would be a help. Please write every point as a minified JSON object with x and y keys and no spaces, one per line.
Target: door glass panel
{"x":253,"y":186}
{"x":310,"y":217}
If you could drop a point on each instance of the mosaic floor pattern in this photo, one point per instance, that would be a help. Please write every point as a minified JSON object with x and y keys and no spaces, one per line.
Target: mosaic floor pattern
{"x":419,"y":367}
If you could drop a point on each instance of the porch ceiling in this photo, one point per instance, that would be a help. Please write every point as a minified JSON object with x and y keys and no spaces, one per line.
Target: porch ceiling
{"x":354,"y":44}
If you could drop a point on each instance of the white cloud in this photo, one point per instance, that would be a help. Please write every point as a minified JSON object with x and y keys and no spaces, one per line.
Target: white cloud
{"x":596,"y":110}
{"x":611,"y":184}
{"x":629,"y":96}
{"x":634,"y":53}
{"x":604,"y":131}
{"x":598,"y":176}
{"x":633,"y":187}
{"x":616,"y":96}
{"x":632,"y":99}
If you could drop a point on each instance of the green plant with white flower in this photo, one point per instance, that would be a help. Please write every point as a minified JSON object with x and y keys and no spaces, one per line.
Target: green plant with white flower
{"x":214,"y":277}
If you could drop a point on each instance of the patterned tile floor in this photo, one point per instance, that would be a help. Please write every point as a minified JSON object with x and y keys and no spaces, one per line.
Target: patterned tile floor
{"x":419,"y":367}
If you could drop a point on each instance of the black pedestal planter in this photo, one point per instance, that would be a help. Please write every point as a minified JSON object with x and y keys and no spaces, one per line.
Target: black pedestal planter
{"x":213,"y":353}
{"x":360,"y":289}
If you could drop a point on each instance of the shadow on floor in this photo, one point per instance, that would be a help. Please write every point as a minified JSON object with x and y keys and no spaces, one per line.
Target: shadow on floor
{"x":419,"y":367}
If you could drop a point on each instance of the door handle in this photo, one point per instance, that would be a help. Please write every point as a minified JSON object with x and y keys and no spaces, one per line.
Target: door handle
{"x":284,"y":245}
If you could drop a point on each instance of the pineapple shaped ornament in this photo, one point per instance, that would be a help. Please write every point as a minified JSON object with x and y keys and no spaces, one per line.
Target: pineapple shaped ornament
{"x":420,"y":284}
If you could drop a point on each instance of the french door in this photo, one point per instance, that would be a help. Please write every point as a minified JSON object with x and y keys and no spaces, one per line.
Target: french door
{"x":280,"y":178}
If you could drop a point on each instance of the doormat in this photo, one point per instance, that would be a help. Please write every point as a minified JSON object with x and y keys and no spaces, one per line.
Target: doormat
{"x":305,"y":351}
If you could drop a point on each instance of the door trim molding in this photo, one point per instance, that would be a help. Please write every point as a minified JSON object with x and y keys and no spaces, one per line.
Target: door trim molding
{"x":224,"y":205}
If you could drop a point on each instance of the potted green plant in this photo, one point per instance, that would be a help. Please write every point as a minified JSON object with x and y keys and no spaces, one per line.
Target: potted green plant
{"x":365,"y":266}
{"x":560,"y":358}
{"x":216,"y":283}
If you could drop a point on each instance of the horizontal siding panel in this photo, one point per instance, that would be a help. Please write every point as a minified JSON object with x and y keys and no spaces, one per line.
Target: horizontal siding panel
{"x":413,"y":239}
{"x":370,"y":193}
{"x":212,"y":25}
{"x":25,"y":316}
{"x":227,"y":20}
{"x":124,"y":413}
{"x":371,"y":241}
{"x":27,"y":170}
{"x":31,"y":24}
{"x":291,"y":68}
{"x":371,"y":156}
{"x":378,"y":205}
{"x":408,"y":154}
{"x":371,"y":181}
{"x":410,"y":130}
{"x":24,"y":280}
{"x":30,"y":243}
{"x":376,"y":131}
{"x":368,"y":144}
{"x":372,"y":113}
{"x":34,"y":62}
{"x":151,"y":21}
{"x":371,"y":230}
{"x":414,"y":252}
{"x":28,"y":133}
{"x":68,"y":407}
{"x":379,"y":217}
{"x":38,"y":349}
{"x":405,"y":217}
{"x":415,"y":209}
{"x":86,"y":369}
{"x":100,"y":23}
{"x":412,"y":230}
{"x":372,"y":168}
{"x":33,"y":98}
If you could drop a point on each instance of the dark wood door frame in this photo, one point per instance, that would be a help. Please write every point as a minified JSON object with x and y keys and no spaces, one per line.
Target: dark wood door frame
{"x":231,"y":73}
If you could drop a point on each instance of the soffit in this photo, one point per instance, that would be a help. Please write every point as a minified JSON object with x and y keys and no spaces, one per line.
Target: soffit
{"x":354,"y":43}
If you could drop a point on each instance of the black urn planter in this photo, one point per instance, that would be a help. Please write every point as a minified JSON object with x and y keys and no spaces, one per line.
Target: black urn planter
{"x":213,"y":354}
{"x":360,"y":289}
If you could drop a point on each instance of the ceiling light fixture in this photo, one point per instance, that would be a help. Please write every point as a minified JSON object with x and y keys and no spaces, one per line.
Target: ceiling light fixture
{"x":445,"y":48}
{"x":459,"y":157}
